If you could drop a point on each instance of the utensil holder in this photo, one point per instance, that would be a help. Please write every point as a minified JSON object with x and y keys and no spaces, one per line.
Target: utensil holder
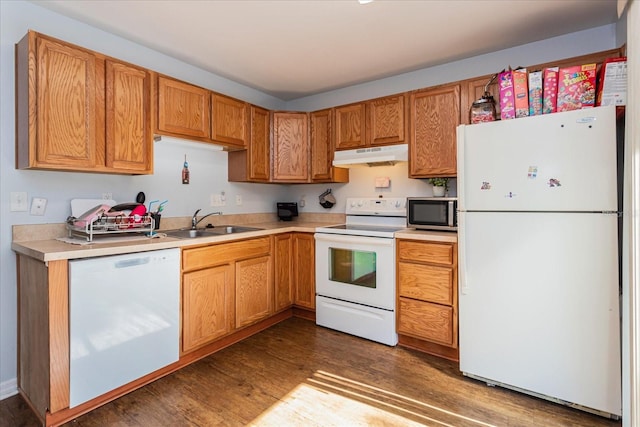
{"x":156,"y":220}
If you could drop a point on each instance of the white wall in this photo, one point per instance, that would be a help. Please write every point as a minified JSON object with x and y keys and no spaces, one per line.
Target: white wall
{"x":208,"y":168}
{"x":580,"y":43}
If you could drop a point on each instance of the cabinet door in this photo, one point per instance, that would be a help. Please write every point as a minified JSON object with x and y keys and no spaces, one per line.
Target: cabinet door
{"x":228,"y":120}
{"x":254,"y":290}
{"x":258,"y":150}
{"x":129,"y":141}
{"x":435,"y":114}
{"x":304,"y":275}
{"x":350,"y":126}
{"x":183,"y":109}
{"x":207,"y":305}
{"x":387,"y":120}
{"x":67,"y":105}
{"x":433,"y":322}
{"x":321,"y":145}
{"x":283,"y":251}
{"x":473,"y":90}
{"x":425,"y":282}
{"x":290,"y":147}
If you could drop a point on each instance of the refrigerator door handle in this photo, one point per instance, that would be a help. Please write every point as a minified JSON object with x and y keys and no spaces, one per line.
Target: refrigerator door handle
{"x":463,"y":286}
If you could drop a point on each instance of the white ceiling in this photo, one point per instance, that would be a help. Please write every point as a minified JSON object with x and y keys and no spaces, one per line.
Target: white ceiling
{"x":295,"y":48}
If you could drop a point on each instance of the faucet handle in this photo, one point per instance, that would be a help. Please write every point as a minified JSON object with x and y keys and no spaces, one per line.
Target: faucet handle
{"x":196,"y":213}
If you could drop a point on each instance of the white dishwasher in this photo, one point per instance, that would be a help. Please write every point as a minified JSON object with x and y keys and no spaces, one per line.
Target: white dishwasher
{"x":124,"y":319}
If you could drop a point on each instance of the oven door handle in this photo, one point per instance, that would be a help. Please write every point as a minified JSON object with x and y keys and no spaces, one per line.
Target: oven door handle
{"x":354,"y":240}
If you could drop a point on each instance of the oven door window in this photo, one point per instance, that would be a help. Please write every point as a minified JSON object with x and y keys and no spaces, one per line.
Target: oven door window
{"x":353,"y":267}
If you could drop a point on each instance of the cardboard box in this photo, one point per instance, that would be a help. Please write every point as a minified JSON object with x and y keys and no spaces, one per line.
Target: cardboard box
{"x":612,"y":82}
{"x":535,"y":93}
{"x":521,"y":92}
{"x":507,"y":99}
{"x":549,"y":90}
{"x":577,"y":87}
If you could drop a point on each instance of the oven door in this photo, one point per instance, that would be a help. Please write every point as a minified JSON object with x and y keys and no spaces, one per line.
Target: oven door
{"x":356,"y":269}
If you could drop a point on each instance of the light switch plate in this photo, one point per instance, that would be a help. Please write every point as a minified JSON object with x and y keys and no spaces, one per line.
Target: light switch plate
{"x":38,"y":206}
{"x":19,"y":202}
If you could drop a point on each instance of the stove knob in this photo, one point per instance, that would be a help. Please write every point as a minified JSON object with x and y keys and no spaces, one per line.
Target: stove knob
{"x":398,"y":203}
{"x":353,"y":203}
{"x":360,"y":202}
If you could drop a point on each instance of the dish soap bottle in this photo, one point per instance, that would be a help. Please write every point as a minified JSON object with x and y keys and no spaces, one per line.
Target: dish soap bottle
{"x":185,"y":171}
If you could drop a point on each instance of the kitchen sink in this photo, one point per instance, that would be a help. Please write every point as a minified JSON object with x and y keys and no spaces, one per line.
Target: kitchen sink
{"x":230,"y":229}
{"x":187,"y":233}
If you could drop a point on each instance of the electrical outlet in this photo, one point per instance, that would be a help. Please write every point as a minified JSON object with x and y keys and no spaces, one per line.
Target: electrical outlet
{"x":19,"y":202}
{"x":38,"y":206}
{"x":238,"y":199}
{"x":107,"y":196}
{"x":216,"y":200}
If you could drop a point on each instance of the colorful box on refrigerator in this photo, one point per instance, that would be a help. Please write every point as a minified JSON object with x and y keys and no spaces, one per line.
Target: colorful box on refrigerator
{"x":612,"y":82}
{"x":520,"y":92}
{"x":507,"y":98}
{"x":577,"y":87}
{"x":535,"y":93}
{"x":549,"y":90}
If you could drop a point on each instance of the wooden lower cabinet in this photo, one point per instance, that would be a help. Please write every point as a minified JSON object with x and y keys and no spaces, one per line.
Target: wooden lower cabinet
{"x":427,"y":304}
{"x":283,"y":271}
{"x":254,"y":290}
{"x":225,"y":287}
{"x":304,"y":270}
{"x":207,"y":305}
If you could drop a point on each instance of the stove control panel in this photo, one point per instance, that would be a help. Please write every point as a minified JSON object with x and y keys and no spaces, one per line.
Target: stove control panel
{"x":392,"y":206}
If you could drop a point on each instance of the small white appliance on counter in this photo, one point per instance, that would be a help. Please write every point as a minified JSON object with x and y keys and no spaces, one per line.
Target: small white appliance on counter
{"x":356,"y":269}
{"x":538,"y":257}
{"x":124,"y":319}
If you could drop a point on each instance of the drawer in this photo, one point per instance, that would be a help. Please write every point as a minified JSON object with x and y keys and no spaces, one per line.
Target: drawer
{"x":426,"y":282}
{"x":431,"y":252}
{"x":424,"y":320}
{"x":205,"y":256}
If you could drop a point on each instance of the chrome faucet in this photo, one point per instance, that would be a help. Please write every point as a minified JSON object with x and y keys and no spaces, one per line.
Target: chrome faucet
{"x":195,"y":221}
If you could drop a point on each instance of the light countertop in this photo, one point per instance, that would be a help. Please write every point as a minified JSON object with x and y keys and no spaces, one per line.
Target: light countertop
{"x":52,"y":249}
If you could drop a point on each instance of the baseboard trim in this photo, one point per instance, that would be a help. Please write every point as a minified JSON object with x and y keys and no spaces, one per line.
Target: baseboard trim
{"x":8,"y":388}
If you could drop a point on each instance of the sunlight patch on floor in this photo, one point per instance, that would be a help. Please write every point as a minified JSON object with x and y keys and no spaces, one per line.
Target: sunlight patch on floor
{"x":326,"y":399}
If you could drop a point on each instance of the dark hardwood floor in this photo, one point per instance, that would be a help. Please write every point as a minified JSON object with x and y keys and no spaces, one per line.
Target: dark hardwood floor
{"x":298,"y":374}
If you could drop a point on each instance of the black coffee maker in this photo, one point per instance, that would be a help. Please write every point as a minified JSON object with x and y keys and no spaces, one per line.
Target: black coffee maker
{"x":287,"y":210}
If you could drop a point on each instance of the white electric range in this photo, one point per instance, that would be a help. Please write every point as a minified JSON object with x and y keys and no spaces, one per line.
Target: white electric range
{"x":355,"y":269}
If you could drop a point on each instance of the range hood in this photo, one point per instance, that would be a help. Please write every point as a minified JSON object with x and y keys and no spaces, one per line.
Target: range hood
{"x":372,"y":156}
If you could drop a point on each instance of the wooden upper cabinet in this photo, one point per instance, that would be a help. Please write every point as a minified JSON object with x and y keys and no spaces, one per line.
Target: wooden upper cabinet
{"x":228,"y":120}
{"x":254,"y":163}
{"x":350,"y":126}
{"x":322,"y":141}
{"x":129,"y":139}
{"x":58,"y":88}
{"x":78,"y":110}
{"x":258,"y":150}
{"x":434,"y":116}
{"x":290,"y":147}
{"x":387,"y":120}
{"x":183,"y":109}
{"x":473,"y":90}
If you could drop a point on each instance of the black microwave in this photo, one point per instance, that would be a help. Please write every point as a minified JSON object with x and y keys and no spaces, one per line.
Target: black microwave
{"x":432,"y":213}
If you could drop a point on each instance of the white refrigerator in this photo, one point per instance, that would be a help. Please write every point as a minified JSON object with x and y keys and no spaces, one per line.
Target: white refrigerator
{"x":538,"y":257}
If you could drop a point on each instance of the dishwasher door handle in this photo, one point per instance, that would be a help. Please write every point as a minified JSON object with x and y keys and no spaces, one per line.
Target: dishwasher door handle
{"x":132,"y":262}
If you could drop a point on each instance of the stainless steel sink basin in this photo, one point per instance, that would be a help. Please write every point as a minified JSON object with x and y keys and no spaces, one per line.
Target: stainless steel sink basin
{"x":230,"y":229}
{"x":187,"y":233}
